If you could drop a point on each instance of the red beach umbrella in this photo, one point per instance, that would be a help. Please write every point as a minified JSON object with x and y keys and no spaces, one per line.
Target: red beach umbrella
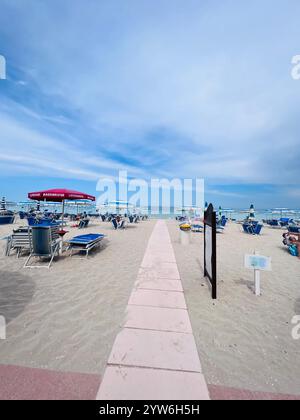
{"x":59,"y":196}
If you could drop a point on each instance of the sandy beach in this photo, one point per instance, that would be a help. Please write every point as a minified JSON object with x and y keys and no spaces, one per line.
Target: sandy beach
{"x":66,"y":318}
{"x":244,"y":341}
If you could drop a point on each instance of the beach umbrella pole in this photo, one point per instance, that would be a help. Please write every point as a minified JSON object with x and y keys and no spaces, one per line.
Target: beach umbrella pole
{"x":63,"y":213}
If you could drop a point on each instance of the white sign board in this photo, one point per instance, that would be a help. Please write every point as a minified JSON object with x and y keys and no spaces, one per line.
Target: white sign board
{"x":208,"y":250}
{"x":258,"y":262}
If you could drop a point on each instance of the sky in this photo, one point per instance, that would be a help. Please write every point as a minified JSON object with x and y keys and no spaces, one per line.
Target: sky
{"x":160,"y":88}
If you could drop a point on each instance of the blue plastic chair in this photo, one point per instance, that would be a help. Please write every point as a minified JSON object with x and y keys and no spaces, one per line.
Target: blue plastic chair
{"x":115,"y":224}
{"x":246,"y":228}
{"x":257,"y":229}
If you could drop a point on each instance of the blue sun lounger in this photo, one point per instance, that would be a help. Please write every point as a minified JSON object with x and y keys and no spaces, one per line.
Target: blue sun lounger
{"x":85,"y":243}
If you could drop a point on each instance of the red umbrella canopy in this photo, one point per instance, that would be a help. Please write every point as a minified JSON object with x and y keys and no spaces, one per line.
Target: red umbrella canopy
{"x":59,"y":195}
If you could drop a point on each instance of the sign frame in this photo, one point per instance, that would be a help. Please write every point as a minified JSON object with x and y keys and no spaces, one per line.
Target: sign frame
{"x":210,"y":239}
{"x":263,"y":263}
{"x":257,"y":263}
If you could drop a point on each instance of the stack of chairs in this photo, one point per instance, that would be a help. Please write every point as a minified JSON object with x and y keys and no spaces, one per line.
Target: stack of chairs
{"x":18,"y":241}
{"x":44,"y":242}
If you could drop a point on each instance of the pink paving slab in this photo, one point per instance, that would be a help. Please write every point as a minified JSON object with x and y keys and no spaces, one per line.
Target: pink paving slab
{"x":129,"y":383}
{"x":160,"y":319}
{"x":218,"y":392}
{"x":154,"y":258}
{"x":159,"y":284}
{"x":159,"y":241}
{"x":155,"y":349}
{"x":162,"y":271}
{"x":158,"y":298}
{"x":23,"y":383}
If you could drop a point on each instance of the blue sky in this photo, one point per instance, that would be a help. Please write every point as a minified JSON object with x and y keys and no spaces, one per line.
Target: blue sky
{"x":161,"y":88}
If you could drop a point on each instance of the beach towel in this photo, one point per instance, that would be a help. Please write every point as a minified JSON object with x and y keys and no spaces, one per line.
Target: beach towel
{"x":293,"y":250}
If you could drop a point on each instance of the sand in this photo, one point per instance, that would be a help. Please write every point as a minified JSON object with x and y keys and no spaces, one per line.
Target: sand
{"x":67,"y":318}
{"x":244,"y":341}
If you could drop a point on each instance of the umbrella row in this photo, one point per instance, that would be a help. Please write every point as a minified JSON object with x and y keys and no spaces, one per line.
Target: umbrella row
{"x":60,"y":196}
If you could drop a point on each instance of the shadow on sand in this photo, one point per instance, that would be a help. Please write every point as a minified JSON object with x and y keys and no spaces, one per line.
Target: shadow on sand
{"x":297,"y":307}
{"x":16,"y":291}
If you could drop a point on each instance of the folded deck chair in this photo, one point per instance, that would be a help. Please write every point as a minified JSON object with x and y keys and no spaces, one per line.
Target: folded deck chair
{"x":44,"y":243}
{"x":18,"y":241}
{"x":84,"y":243}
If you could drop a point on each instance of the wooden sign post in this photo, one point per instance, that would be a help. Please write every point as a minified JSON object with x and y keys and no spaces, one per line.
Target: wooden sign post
{"x":257,"y":263}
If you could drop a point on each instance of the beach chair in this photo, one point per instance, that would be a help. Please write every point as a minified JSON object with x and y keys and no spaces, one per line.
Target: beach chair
{"x":121,"y":225}
{"x":18,"y":241}
{"x":257,"y":229}
{"x":284,"y":221}
{"x":220,"y":229}
{"x":197,"y":228}
{"x":83,"y":224}
{"x":116,"y":225}
{"x":246,"y":228}
{"x":221,"y":223}
{"x":44,"y":242}
{"x":294,"y":229}
{"x":252,"y":228}
{"x":84,"y":243}
{"x":274,"y":223}
{"x":22,"y":215}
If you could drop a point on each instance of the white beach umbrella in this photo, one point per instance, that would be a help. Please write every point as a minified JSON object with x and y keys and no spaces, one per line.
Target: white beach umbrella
{"x":3,"y":204}
{"x":252,"y":212}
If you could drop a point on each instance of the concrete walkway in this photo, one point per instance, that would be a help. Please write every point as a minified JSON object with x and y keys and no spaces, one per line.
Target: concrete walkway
{"x":155,"y":355}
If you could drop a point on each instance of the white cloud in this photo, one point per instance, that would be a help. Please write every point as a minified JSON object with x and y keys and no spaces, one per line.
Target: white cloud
{"x":295,"y":193}
{"x":214,"y":76}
